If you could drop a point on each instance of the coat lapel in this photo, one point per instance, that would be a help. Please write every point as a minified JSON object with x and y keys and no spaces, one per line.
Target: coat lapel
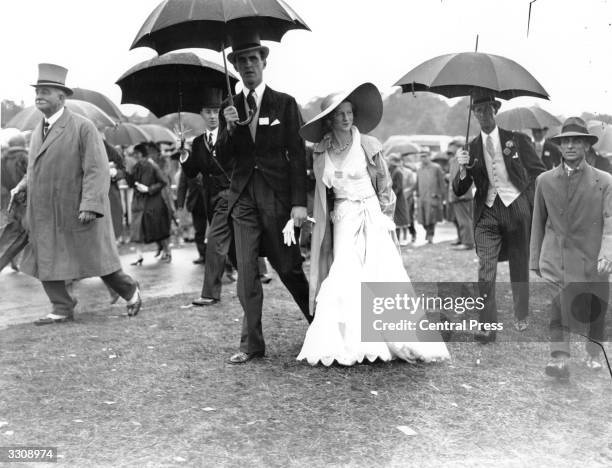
{"x":266,"y":109}
{"x":54,"y":132}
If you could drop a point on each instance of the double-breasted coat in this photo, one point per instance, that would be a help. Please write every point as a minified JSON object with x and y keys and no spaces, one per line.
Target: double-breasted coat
{"x":68,"y":173}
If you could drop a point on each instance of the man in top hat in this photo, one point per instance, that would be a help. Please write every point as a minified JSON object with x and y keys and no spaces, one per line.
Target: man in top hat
{"x":216,"y":182}
{"x":503,"y":167}
{"x":268,"y":187}
{"x":571,"y":245}
{"x":548,"y":152}
{"x":68,"y":211}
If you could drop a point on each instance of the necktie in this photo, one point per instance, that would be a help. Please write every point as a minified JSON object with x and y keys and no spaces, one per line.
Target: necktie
{"x":251,"y":100}
{"x":490,"y":147}
{"x":45,"y":128}
{"x":209,"y":140}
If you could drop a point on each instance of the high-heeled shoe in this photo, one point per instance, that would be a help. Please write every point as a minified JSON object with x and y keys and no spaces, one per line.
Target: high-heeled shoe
{"x":166,"y":257}
{"x":159,"y":251}
{"x":137,"y":262}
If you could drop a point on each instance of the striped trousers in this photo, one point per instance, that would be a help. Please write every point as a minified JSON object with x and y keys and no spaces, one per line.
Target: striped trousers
{"x":507,"y":227}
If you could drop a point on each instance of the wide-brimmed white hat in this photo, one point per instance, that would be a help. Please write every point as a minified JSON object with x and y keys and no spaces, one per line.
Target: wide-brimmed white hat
{"x":367,"y":111}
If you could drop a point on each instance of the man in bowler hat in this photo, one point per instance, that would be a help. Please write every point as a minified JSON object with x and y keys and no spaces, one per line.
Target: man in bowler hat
{"x":503,"y":167}
{"x":268,"y":187}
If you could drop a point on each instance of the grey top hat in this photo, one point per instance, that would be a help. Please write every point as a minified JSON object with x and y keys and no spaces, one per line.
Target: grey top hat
{"x":367,"y":111}
{"x":53,"y":76}
{"x":575,"y":127}
{"x":246,"y":41}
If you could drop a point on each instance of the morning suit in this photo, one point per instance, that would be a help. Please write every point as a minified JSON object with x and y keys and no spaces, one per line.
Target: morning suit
{"x":191,"y":194}
{"x":502,"y":226}
{"x":268,"y":179}
{"x":571,"y":230}
{"x":216,"y":181}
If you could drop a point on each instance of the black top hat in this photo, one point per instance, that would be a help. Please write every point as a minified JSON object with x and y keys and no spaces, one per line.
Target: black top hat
{"x":53,"y":76}
{"x":211,"y":98}
{"x":575,"y":127}
{"x":246,"y":41}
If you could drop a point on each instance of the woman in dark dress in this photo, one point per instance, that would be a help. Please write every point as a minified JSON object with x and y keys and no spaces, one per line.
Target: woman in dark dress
{"x":150,"y":218}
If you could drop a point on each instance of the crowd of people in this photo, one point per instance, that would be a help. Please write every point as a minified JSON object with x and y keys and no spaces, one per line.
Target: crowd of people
{"x":252,"y":186}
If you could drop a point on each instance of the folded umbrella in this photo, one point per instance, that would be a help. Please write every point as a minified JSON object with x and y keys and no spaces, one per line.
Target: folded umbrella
{"x":521,"y":118}
{"x":30,"y":117}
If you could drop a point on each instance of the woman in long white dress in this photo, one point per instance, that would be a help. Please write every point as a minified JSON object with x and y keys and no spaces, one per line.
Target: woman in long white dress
{"x":353,"y":194}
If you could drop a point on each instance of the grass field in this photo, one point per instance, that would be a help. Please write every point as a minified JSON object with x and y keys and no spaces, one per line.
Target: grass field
{"x":157,"y":391}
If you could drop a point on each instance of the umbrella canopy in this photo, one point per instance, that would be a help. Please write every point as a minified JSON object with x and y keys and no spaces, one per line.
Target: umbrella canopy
{"x":171,"y":83}
{"x":521,"y":118}
{"x":158,"y":133}
{"x":460,"y":74}
{"x":100,"y":100}
{"x":191,"y":124}
{"x":400,"y":144}
{"x":183,"y":24}
{"x":126,"y":134}
{"x":30,"y":117}
{"x":604,"y":133}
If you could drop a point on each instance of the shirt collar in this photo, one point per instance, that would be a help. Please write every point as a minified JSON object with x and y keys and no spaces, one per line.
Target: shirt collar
{"x":494,"y":134}
{"x":55,"y":117}
{"x":213,"y":133}
{"x":259,"y":90}
{"x":570,"y":170}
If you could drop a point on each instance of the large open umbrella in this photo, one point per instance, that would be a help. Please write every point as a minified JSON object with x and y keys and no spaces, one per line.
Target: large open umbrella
{"x":100,"y":100}
{"x":521,"y":118}
{"x":470,"y":73}
{"x":211,"y":24}
{"x":401,"y":144}
{"x":171,"y":83}
{"x":190,"y":125}
{"x":604,"y":133}
{"x":158,"y":133}
{"x":126,"y":134}
{"x":30,"y":117}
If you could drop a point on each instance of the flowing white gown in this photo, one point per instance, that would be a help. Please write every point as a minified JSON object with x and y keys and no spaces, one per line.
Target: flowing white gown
{"x":363,"y":251}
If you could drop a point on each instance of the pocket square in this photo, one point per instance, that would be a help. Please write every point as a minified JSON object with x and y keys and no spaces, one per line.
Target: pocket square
{"x":515,"y":156}
{"x":276,"y":122}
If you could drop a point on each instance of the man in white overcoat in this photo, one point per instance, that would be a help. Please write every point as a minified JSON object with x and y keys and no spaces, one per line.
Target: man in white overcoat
{"x":68,"y":210}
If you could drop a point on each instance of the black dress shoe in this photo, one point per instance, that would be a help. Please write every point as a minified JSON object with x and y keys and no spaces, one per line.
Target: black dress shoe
{"x":241,"y":358}
{"x":558,"y":369}
{"x":265,"y":278}
{"x":133,"y":309}
{"x":204,"y":301}
{"x":231,"y":276}
{"x":456,"y":242}
{"x":199,"y":261}
{"x":484,"y":337}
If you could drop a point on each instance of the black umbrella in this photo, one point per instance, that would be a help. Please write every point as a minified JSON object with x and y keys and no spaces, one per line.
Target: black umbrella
{"x":471,"y":73}
{"x":211,"y":24}
{"x":172,"y":83}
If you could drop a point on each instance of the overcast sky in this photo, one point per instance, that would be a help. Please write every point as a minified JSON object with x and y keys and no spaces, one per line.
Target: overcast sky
{"x":569,"y":48}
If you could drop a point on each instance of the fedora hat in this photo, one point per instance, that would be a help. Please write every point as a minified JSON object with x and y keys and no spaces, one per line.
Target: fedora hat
{"x":243,"y":41}
{"x":52,"y":76}
{"x":575,"y":127}
{"x":367,"y":111}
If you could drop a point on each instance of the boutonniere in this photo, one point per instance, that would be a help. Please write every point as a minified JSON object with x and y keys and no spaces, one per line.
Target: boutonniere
{"x":510,"y":149}
{"x":546,"y":153}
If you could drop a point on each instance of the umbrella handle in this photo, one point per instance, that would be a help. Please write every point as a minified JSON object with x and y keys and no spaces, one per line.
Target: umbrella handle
{"x":467,"y":135}
{"x":248,"y":120}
